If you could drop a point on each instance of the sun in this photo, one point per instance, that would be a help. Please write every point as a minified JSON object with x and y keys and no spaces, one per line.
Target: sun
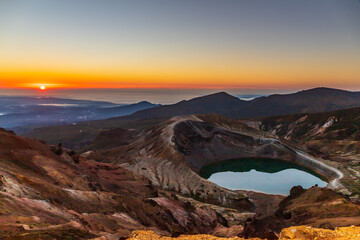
{"x":42,"y":87}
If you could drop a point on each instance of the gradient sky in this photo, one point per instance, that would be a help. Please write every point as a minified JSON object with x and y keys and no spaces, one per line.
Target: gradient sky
{"x":180,"y":43}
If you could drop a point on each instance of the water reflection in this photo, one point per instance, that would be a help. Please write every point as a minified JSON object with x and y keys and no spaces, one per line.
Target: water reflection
{"x":263,"y":175}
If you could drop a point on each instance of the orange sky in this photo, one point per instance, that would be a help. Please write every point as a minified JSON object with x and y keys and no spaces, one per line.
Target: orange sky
{"x":257,"y":76}
{"x":202,"y":44}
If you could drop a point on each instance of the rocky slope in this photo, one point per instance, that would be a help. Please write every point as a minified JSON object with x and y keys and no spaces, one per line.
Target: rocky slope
{"x":148,"y":178}
{"x":152,"y":152}
{"x":333,"y":136}
{"x":47,"y":192}
{"x":317,"y":207}
{"x":172,"y":153}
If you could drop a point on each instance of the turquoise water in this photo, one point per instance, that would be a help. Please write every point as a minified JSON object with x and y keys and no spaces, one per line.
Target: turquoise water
{"x":263,"y":175}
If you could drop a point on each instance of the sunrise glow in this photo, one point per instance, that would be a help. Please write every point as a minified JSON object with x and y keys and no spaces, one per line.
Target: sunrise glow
{"x":188,"y":45}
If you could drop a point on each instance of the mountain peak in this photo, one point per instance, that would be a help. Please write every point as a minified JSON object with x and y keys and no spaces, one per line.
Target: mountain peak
{"x":222,"y":94}
{"x":144,"y":103}
{"x":219,"y":96}
{"x":324,"y":90}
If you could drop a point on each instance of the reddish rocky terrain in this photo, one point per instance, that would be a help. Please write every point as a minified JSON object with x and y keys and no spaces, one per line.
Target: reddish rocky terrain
{"x":148,"y":178}
{"x":49,"y":192}
{"x":332,"y":136}
{"x":181,"y":146}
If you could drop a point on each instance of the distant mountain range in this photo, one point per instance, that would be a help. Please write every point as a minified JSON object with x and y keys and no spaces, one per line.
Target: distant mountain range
{"x":313,"y":100}
{"x":220,"y":103}
{"x":31,"y":111}
{"x":40,"y":111}
{"x":123,"y":110}
{"x":308,"y":101}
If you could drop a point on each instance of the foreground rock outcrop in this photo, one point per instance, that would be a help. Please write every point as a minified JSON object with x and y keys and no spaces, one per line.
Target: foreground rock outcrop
{"x":295,"y":233}
{"x":316,"y":207}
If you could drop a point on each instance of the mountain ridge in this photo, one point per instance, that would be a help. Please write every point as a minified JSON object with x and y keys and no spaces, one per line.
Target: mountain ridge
{"x":204,"y":104}
{"x":311,"y":100}
{"x":219,"y":103}
{"x":148,"y":179}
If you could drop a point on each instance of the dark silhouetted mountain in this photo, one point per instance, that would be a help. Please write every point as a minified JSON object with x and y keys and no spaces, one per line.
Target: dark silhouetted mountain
{"x":307,"y":101}
{"x":125,"y":110}
{"x":221,"y":103}
{"x":313,"y":100}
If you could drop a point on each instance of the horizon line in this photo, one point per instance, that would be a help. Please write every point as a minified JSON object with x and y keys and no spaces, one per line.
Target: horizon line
{"x":182,"y":88}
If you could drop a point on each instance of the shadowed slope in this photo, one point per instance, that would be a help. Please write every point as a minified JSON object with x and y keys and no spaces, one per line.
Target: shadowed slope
{"x":330,"y":135}
{"x":307,"y":101}
{"x":221,"y":103}
{"x":48,"y":192}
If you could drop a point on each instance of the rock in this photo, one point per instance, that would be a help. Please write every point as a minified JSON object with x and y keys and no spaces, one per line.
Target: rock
{"x":306,"y":233}
{"x":296,"y":191}
{"x":295,"y":233}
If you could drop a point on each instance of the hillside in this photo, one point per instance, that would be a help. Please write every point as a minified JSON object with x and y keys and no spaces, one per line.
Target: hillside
{"x":181,"y":146}
{"x":331,"y":135}
{"x":80,"y":135}
{"x":220,"y":103}
{"x":314,"y":100}
{"x":148,"y":179}
{"x":307,"y":101}
{"x":125,"y":110}
{"x":341,"y":127}
{"x":47,"y":192}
